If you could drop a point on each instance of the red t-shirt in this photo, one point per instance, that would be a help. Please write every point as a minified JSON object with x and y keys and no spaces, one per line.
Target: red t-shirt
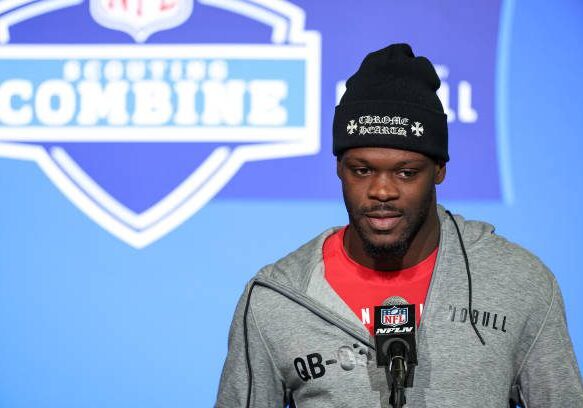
{"x":362,"y":288}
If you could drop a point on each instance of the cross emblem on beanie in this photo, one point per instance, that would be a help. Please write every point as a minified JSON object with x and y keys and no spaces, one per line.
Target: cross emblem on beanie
{"x":417,"y":129}
{"x":351,"y":127}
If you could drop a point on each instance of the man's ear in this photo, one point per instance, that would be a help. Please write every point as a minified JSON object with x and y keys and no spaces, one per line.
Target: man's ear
{"x":440,"y":170}
{"x":339,"y":167}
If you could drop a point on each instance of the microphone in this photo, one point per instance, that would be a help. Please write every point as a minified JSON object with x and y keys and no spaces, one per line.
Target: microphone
{"x":394,"y":329}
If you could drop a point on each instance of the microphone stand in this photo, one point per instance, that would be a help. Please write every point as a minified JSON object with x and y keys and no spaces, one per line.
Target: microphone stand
{"x":398,"y":370}
{"x":396,"y":373}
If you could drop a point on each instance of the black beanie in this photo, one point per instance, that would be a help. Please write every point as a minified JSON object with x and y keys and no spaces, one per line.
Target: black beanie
{"x":391,"y":101}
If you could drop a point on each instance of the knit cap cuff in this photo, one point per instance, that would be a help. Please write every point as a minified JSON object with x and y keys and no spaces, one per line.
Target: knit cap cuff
{"x":393,"y":124}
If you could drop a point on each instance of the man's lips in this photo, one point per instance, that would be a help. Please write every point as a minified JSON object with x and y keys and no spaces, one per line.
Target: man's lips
{"x":383,"y":220}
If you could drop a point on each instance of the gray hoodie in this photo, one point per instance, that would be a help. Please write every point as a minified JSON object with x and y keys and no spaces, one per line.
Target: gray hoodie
{"x":294,"y":338}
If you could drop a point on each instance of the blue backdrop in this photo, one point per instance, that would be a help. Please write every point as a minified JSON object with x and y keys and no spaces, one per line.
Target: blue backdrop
{"x":101,"y":306}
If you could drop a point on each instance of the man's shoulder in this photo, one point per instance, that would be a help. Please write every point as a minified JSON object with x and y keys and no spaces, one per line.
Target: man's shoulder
{"x":296,"y":268}
{"x":522,"y":266}
{"x":500,"y":259}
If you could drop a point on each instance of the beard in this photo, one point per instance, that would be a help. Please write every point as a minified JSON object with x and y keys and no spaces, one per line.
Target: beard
{"x":396,"y":250}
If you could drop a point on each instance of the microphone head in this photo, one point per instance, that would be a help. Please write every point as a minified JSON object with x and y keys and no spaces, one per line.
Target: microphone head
{"x":395,"y":335}
{"x":395,"y":300}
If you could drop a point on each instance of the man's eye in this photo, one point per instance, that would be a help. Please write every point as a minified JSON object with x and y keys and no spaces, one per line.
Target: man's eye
{"x":407,"y":173}
{"x":361,"y":171}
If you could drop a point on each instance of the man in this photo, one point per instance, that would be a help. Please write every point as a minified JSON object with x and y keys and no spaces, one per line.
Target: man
{"x":493,"y":328}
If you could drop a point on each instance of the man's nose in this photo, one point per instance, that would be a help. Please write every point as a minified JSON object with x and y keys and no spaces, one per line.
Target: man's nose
{"x":382,"y":188}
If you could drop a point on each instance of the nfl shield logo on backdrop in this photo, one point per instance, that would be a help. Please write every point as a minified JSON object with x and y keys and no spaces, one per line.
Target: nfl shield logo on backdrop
{"x":140,"y":18}
{"x":395,"y":316}
{"x":141,"y":137}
